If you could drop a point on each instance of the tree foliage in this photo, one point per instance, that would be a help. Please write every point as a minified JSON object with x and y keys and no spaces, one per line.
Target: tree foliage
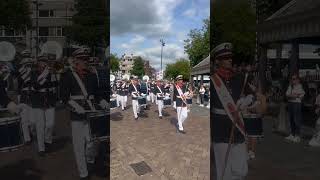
{"x":90,"y":24}
{"x":235,"y":22}
{"x":15,"y":14}
{"x":180,"y":67}
{"x":138,"y":67}
{"x":197,"y":46}
{"x":114,"y":63}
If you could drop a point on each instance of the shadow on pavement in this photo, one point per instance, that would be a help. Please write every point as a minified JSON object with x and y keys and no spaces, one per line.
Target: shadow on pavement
{"x":102,"y":168}
{"x":22,"y":170}
{"x":116,"y":116}
{"x":60,"y":143}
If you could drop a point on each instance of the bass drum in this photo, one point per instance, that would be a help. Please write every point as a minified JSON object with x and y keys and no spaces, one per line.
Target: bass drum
{"x":11,"y":137}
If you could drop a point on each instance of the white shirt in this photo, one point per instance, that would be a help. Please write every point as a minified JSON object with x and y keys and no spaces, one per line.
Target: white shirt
{"x":295,"y":89}
{"x":202,"y":90}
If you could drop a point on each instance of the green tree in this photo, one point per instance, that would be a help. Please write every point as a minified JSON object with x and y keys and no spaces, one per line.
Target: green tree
{"x":180,"y":67}
{"x":235,"y":22}
{"x":197,"y":46}
{"x":114,"y":63}
{"x":138,"y":67}
{"x":15,"y":14}
{"x":90,"y":24}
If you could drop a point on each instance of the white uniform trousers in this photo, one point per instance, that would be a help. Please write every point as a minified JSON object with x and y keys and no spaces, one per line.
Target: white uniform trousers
{"x":182,"y":113}
{"x":26,"y":121}
{"x":118,"y":100}
{"x":84,"y":149}
{"x":237,"y":165}
{"x":136,"y":108}
{"x":153,"y":97}
{"x":174,"y":105}
{"x":160,"y":107}
{"x":44,"y":121}
{"x":123,"y":100}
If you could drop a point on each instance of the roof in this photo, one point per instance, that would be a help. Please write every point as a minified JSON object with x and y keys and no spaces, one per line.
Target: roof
{"x":295,"y":7}
{"x":202,"y":68}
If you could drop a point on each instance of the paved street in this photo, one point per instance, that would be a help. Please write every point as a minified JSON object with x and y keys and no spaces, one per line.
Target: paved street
{"x":25,"y":164}
{"x":170,"y":155}
{"x":278,"y":159}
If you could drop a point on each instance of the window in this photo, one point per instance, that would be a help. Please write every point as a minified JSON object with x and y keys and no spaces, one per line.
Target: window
{"x":59,"y":31}
{"x":9,"y":32}
{"x":43,"y":31}
{"x":46,"y":13}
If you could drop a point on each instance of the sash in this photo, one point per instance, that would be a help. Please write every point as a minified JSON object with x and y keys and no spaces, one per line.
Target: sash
{"x":160,"y":90}
{"x":83,"y":89}
{"x":181,"y":94}
{"x":135,"y":89}
{"x":228,"y":103}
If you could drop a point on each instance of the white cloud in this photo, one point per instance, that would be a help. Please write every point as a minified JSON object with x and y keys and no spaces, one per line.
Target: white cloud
{"x":190,"y":12}
{"x":171,"y":52}
{"x":150,"y":18}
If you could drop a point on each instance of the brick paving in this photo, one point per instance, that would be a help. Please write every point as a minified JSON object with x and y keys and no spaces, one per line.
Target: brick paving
{"x":170,"y":155}
{"x":25,"y":164}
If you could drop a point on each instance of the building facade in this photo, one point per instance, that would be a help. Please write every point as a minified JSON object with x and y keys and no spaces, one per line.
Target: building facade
{"x":49,"y":21}
{"x":126,"y":64}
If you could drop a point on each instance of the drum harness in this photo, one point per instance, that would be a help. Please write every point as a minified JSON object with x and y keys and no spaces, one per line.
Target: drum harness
{"x":83,"y":90}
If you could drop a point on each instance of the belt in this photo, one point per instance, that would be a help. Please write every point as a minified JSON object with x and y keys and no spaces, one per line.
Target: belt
{"x":219,"y":111}
{"x":81,"y":97}
{"x":251,"y":116}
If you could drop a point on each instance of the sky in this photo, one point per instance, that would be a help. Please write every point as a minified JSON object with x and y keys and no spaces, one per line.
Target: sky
{"x":138,"y":25}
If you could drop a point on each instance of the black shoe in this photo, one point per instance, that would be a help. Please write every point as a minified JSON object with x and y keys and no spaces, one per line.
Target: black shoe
{"x":182,"y":132}
{"x":48,"y":147}
{"x":136,"y":118}
{"x":42,"y":154}
{"x":85,"y":178}
{"x":28,"y":143}
{"x":91,"y":167}
{"x":160,"y":117}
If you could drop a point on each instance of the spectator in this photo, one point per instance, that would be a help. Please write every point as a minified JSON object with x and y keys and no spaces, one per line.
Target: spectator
{"x":295,"y":93}
{"x":202,"y":90}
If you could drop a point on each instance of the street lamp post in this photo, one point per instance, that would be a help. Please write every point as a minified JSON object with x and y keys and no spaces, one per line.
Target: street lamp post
{"x":162,"y":45}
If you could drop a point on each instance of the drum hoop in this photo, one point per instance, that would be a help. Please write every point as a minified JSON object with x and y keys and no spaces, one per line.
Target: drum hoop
{"x":9,"y":120}
{"x":93,"y":115}
{"x":8,"y":149}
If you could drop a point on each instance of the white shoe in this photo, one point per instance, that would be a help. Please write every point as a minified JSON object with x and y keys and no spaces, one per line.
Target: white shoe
{"x":315,"y":141}
{"x":290,"y":137}
{"x":201,"y":105}
{"x":251,"y":155}
{"x":296,"y":139}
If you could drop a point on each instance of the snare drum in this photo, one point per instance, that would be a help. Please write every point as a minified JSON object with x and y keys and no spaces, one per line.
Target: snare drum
{"x":189,"y":101}
{"x":142,"y":101}
{"x":113,"y":103}
{"x":167,"y":102}
{"x":253,"y":125}
{"x":11,"y":137}
{"x":98,"y":125}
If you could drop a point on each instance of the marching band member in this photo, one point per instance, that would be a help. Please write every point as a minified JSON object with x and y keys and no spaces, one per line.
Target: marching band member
{"x":144,"y":89}
{"x":151,"y":92}
{"x":159,"y":89}
{"x":181,"y":104}
{"x":223,"y":132}
{"x":79,"y":89}
{"x":118,"y":90}
{"x":24,"y":99}
{"x":123,"y":94}
{"x":134,"y":89}
{"x":5,"y":101}
{"x":43,"y":102}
